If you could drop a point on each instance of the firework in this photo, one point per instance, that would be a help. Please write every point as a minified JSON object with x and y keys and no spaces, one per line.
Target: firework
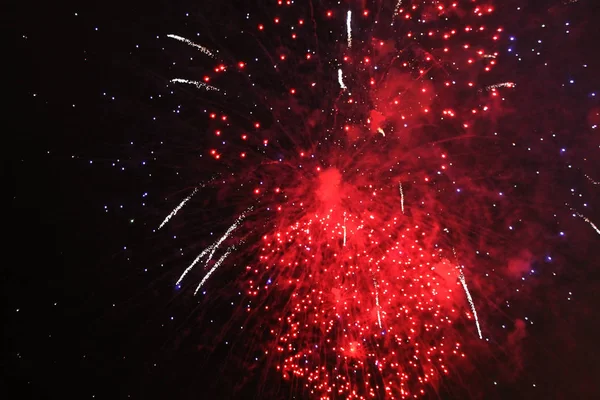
{"x":364,"y":296}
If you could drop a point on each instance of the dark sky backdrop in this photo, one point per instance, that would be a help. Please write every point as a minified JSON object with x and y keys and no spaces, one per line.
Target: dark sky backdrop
{"x":64,"y":265}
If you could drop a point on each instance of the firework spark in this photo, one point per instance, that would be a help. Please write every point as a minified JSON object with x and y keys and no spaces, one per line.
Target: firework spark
{"x":499,"y":85}
{"x":176,"y":210}
{"x":214,"y":268}
{"x":591,"y":180}
{"x":396,"y":9}
{"x":401,"y":196}
{"x":349,"y":28}
{"x":341,"y":79}
{"x":198,"y":84}
{"x":210,"y":250}
{"x":586,"y":219}
{"x":463,"y":282}
{"x":190,"y":43}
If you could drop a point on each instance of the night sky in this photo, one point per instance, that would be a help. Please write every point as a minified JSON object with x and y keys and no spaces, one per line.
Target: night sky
{"x":100,"y":147}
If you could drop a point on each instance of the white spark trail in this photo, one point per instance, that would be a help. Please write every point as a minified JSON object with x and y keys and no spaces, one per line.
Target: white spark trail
{"x":398,"y":4}
{"x":499,"y":85}
{"x":213,"y":247}
{"x":349,"y":27}
{"x":176,"y":209}
{"x":586,"y":219}
{"x":401,"y":196}
{"x":214,"y":268}
{"x":198,"y":84}
{"x":377,"y":302}
{"x":463,"y":281}
{"x":344,"y":229}
{"x":190,"y":43}
{"x":341,"y":79}
{"x":380,"y":130}
{"x":591,"y":180}
{"x":188,"y":269}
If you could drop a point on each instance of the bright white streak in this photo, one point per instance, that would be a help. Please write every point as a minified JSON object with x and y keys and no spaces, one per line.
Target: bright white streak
{"x":377,"y":302}
{"x":349,"y":27}
{"x":381,"y":131}
{"x":198,"y":84}
{"x":172,"y":214}
{"x":401,"y":196}
{"x":188,"y":269}
{"x":213,"y":247}
{"x":586,"y":219}
{"x":503,"y":84}
{"x":398,"y":4}
{"x":591,"y":180}
{"x":463,"y":281}
{"x":214,"y":268}
{"x":344,"y":229}
{"x":189,"y":42}
{"x":341,"y":79}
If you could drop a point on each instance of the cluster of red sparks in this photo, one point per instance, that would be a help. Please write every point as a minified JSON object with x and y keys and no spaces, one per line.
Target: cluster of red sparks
{"x":372,"y":224}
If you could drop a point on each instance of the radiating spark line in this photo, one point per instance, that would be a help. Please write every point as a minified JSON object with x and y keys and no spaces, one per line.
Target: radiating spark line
{"x":344,"y":229}
{"x":349,"y":27}
{"x":213,"y":247}
{"x":188,"y":269}
{"x":377,"y":302}
{"x":198,"y":84}
{"x":503,"y":84}
{"x":586,"y":219}
{"x":591,"y":180}
{"x":214,"y":268}
{"x":341,"y":79}
{"x":401,"y":196}
{"x":463,"y":281}
{"x":189,"y":42}
{"x":176,"y":209}
{"x":381,"y":131}
{"x":398,"y":4}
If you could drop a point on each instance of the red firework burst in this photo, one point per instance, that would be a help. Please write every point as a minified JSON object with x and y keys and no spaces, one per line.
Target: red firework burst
{"x":373,"y":183}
